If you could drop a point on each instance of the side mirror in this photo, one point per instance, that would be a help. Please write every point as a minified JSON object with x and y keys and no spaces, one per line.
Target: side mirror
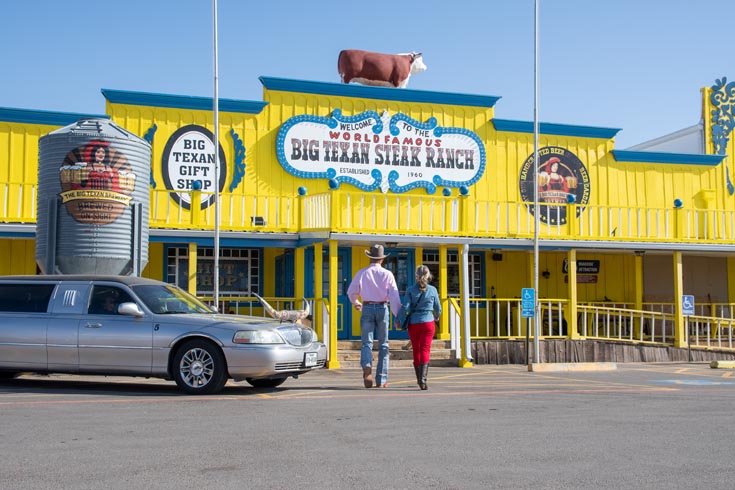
{"x":131,"y":309}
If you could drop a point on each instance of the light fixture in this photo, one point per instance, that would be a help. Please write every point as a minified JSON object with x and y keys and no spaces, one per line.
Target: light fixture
{"x":546,"y":274}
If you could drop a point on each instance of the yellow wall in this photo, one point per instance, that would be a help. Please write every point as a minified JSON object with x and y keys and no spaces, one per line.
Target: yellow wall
{"x":19,"y":256}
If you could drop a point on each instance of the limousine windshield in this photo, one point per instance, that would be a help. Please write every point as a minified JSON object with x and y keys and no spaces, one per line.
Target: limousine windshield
{"x":169,"y":299}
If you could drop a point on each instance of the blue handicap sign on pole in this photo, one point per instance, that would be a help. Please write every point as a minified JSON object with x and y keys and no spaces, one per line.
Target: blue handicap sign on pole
{"x":528,"y":302}
{"x":687,"y":304}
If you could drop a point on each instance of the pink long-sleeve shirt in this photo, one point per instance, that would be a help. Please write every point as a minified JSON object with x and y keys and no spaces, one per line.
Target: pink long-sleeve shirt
{"x":377,"y":284}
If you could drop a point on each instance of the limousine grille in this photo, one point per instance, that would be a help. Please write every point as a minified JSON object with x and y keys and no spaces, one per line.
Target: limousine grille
{"x":290,"y":366}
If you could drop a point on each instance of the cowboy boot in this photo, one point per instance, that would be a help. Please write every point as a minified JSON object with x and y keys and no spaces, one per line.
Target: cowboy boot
{"x":424,"y":374}
{"x":417,"y":368}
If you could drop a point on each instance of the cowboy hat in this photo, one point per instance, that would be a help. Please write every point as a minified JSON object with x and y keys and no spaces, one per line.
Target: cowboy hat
{"x":376,"y":252}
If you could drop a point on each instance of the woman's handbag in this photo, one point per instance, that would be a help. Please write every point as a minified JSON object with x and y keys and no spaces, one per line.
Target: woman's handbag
{"x":407,"y":313}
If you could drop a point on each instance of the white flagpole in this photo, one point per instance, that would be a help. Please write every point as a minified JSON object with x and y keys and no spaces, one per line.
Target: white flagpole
{"x":215,"y":106}
{"x":536,"y":309}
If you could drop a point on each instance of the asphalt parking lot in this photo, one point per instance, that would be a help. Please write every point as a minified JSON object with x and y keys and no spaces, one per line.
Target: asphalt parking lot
{"x":480,"y":380}
{"x":658,"y":426}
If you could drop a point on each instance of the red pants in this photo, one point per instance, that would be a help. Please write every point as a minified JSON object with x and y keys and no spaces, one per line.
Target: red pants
{"x":421,"y":335}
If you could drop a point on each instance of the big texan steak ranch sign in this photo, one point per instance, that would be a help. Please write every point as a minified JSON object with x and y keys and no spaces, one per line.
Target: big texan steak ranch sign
{"x":372,"y":152}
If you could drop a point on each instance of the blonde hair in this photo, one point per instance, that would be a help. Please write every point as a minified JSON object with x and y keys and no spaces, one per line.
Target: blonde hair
{"x":423,"y":276}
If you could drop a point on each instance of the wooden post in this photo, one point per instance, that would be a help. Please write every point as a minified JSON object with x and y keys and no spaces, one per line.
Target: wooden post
{"x":191,"y":280}
{"x":333,"y":361}
{"x":572,"y":329}
{"x":443,"y":330}
{"x":680,"y":333}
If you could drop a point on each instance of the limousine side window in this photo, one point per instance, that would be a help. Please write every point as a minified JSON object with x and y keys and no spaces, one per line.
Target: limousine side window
{"x":106,"y":299}
{"x":25,"y":298}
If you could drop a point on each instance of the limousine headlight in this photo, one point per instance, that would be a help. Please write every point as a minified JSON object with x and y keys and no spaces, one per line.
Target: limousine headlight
{"x":257,"y":337}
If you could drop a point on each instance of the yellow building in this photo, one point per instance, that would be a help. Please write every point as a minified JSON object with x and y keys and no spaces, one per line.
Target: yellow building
{"x":316,"y":172}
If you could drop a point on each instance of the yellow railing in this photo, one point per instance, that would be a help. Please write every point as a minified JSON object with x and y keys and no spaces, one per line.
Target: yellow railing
{"x":237,"y":212}
{"x":432,"y":215}
{"x":18,"y":203}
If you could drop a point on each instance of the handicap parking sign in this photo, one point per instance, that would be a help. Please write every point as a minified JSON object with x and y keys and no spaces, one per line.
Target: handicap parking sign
{"x":687,"y":304}
{"x":528,"y":302}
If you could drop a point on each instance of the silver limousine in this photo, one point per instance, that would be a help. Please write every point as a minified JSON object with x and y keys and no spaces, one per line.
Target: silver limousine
{"x":119,"y":325}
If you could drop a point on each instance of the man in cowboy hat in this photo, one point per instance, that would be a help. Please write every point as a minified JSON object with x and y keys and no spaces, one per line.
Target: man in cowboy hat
{"x":376,"y":286}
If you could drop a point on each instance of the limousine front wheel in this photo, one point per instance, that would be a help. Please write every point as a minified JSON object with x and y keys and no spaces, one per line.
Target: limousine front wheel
{"x":199,"y":368}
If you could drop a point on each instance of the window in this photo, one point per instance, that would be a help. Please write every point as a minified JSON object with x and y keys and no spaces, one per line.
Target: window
{"x":26,"y":298}
{"x":239,"y":270}
{"x":431,"y":260}
{"x":106,"y":299}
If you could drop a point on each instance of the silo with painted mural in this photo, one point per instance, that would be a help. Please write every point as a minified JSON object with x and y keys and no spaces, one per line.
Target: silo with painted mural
{"x":93,"y":200}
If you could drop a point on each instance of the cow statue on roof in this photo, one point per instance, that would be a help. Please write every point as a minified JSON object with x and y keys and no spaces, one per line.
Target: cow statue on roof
{"x":388,"y":70}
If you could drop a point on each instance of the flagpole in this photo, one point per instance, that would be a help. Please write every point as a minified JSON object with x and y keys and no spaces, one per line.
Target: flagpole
{"x":537,"y":309}
{"x":215,"y":105}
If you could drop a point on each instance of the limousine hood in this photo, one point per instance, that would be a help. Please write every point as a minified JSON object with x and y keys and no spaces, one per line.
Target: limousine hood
{"x":221,"y":320}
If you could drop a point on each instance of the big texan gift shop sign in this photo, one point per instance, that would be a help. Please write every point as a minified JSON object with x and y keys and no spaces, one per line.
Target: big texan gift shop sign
{"x":372,"y":152}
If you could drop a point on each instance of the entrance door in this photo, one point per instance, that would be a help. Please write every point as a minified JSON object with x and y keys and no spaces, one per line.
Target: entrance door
{"x":344,"y":268}
{"x":401,"y":263}
{"x":285,"y":276}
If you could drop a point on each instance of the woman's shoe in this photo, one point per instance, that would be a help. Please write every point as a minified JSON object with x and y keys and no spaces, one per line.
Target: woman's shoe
{"x":418,"y":375}
{"x":424,"y":375}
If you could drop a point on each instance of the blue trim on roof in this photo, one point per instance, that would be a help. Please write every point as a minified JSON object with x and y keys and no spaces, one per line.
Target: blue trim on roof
{"x":17,"y":234}
{"x":657,"y":157}
{"x":553,"y":128}
{"x":50,"y":118}
{"x":182,"y":101}
{"x":379,"y":93}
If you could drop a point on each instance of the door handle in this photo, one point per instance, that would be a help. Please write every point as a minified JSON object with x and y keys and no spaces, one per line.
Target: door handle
{"x":93,"y":325}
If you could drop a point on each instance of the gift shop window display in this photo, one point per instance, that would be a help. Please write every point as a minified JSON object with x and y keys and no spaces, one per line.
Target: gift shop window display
{"x":431,"y":260}
{"x":239,"y":270}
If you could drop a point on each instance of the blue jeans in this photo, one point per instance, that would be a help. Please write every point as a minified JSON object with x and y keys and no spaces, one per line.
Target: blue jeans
{"x":374,"y":318}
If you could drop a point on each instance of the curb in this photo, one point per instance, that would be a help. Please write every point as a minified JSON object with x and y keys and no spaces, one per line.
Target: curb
{"x":574,"y":366}
{"x":722,"y":364}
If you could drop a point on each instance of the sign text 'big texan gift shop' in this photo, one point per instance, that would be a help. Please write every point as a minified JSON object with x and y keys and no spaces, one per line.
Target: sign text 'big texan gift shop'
{"x":371,"y":151}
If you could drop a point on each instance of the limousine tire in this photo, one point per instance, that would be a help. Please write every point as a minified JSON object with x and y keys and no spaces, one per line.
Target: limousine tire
{"x":265,"y":382}
{"x":199,"y":367}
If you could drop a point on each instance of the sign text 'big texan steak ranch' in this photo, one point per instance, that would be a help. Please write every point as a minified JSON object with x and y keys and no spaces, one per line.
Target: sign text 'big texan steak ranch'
{"x":373,"y":152}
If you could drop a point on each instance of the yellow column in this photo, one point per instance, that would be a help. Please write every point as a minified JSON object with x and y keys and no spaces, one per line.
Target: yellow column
{"x":299,"y":265}
{"x":318,"y":310}
{"x":196,"y":207}
{"x":191,"y":282}
{"x":333,"y":361}
{"x":443,"y":330}
{"x":572,"y":330}
{"x":731,"y":283}
{"x":680,"y":334}
{"x":638,"y":263}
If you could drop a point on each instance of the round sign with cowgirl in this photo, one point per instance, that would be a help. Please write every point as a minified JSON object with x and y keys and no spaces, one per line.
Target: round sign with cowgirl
{"x":562,"y":179}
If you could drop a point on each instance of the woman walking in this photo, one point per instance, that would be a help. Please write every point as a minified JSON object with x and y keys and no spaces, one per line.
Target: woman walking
{"x":422,"y":306}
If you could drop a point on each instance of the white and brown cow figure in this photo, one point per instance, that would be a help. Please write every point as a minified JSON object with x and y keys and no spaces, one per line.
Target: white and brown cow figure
{"x":368,"y":68}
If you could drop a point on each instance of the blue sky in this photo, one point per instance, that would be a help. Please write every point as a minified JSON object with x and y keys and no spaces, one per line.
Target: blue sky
{"x":635,"y":65}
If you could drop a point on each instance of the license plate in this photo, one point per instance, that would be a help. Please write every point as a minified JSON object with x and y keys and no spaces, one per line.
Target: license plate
{"x":310,"y":359}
